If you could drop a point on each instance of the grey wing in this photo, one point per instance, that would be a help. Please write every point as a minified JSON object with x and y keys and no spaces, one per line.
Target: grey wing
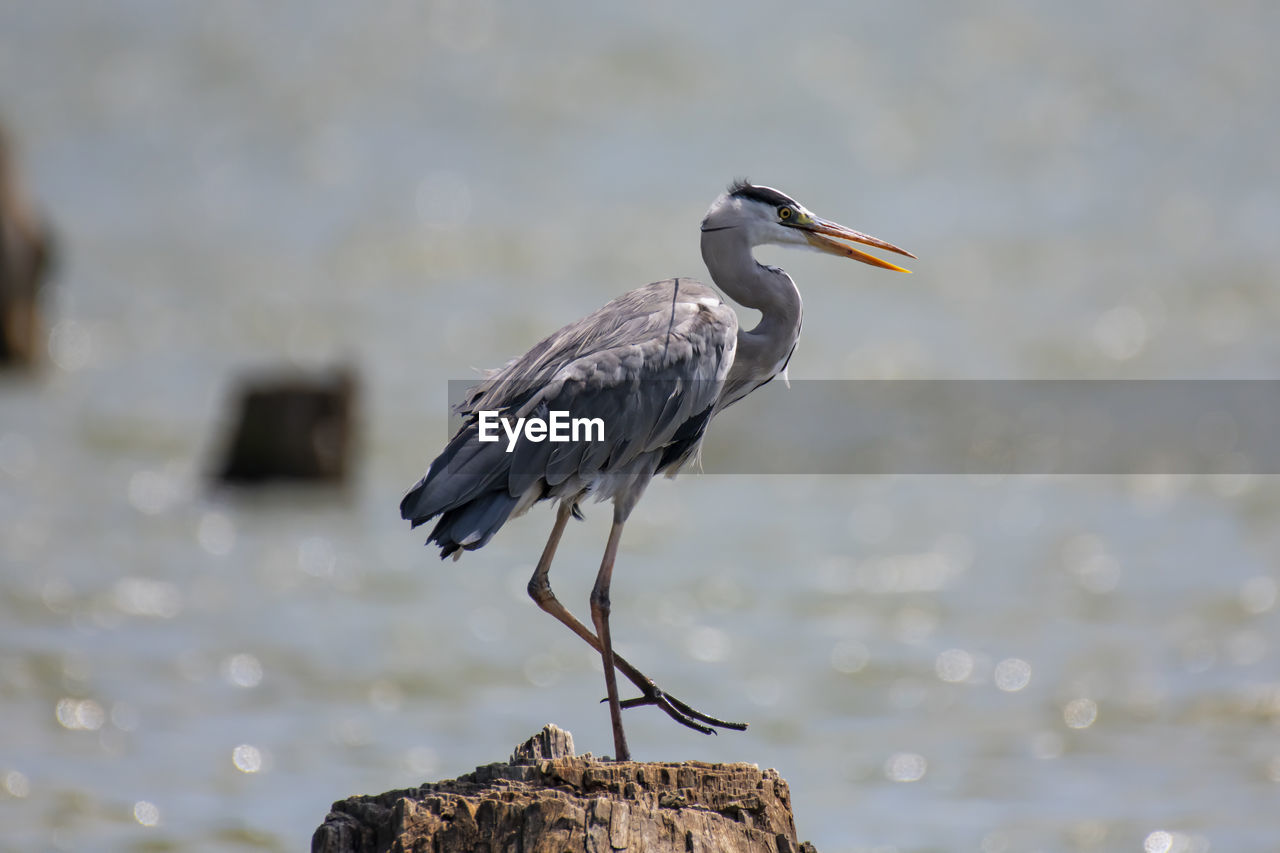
{"x":652,"y":390}
{"x":648,"y":366}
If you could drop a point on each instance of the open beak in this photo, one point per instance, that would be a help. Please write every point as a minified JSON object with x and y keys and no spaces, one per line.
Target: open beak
{"x":819,"y":231}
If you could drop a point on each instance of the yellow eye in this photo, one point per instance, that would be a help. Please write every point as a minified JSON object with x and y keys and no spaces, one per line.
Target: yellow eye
{"x":784,"y":213}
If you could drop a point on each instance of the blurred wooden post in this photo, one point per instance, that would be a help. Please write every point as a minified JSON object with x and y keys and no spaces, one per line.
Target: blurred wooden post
{"x":546,"y":800}
{"x":25,"y":259}
{"x":292,"y":427}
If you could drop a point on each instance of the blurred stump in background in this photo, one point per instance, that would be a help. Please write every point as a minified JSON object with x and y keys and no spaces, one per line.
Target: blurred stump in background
{"x":26,"y":252}
{"x":546,"y":800}
{"x":292,"y":427}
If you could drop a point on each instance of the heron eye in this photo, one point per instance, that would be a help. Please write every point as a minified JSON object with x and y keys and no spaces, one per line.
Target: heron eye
{"x":784,"y":213}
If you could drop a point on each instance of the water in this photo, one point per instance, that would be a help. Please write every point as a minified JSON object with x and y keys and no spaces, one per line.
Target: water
{"x":934,"y":663}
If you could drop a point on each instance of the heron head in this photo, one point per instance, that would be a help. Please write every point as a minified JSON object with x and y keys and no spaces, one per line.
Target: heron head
{"x":766,"y":215}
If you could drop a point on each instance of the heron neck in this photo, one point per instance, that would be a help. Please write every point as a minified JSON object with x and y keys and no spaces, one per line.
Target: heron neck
{"x":762,"y":351}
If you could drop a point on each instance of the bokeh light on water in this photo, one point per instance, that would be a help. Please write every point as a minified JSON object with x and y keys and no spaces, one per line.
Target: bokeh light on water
{"x":905,"y":767}
{"x":1012,"y":674}
{"x":243,"y":670}
{"x":1080,"y":713}
{"x":954,"y":665}
{"x":146,"y":813}
{"x":247,"y":758}
{"x":80,"y":714}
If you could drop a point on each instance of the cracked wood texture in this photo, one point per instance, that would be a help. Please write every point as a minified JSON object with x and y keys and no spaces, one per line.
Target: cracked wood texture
{"x":547,"y":800}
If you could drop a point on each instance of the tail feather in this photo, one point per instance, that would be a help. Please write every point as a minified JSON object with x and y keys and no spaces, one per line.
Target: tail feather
{"x":467,"y":488}
{"x":472,"y":525}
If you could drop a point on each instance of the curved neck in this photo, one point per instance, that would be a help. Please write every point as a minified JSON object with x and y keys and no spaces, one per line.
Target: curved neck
{"x":762,"y":352}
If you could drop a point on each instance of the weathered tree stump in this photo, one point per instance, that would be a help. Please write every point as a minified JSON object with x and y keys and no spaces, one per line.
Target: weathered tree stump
{"x":292,"y":427}
{"x":26,"y":251}
{"x":547,"y":800}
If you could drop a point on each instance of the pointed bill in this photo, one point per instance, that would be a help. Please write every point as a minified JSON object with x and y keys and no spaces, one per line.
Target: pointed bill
{"x":820,"y":231}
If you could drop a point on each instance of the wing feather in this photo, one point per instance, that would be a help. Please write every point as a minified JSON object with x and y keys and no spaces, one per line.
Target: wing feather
{"x":650,"y":365}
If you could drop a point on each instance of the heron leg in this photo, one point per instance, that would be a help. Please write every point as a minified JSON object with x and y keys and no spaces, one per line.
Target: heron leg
{"x":541,"y":593}
{"x":600,"y":608}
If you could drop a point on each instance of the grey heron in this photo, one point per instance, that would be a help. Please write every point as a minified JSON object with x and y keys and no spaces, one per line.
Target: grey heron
{"x":654,"y":365}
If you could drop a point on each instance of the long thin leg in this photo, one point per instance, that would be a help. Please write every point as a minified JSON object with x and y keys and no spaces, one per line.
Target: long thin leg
{"x":541,"y":593}
{"x":600,"y":608}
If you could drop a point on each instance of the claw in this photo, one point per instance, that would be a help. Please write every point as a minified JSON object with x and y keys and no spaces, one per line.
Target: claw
{"x":706,"y":718}
{"x":679,"y":711}
{"x":670,"y":711}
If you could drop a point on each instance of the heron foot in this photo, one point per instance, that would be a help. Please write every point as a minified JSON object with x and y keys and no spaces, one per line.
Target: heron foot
{"x":680,"y":711}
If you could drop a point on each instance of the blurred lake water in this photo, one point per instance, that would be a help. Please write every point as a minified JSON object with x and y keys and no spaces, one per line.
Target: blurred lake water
{"x":934,"y":663}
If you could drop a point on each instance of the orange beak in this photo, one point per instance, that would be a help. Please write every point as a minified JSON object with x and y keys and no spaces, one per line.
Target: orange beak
{"x":819,"y":231}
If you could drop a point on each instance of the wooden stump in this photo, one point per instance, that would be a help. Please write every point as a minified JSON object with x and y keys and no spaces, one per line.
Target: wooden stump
{"x":547,"y":800}
{"x":25,"y":258}
{"x":292,"y":427}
